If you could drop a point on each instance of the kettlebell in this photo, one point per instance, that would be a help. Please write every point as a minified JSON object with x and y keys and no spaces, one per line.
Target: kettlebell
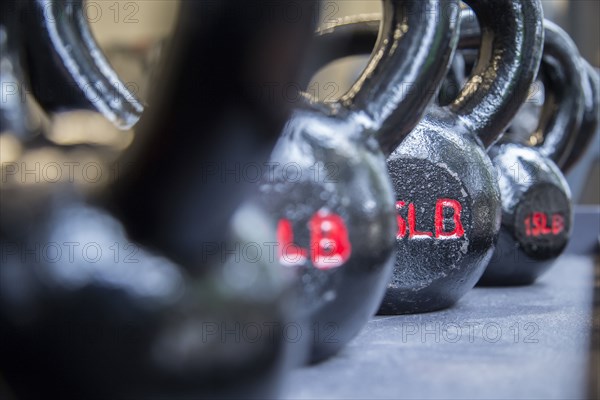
{"x":536,"y":201}
{"x":67,"y":69}
{"x":537,"y":213}
{"x":125,"y":320}
{"x":580,"y":140}
{"x":329,"y":187}
{"x":447,"y":195}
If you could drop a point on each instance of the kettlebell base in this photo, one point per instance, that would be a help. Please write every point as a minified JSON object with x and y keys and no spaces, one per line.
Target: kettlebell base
{"x":492,"y":281}
{"x":320,"y":354}
{"x":512,"y":266}
{"x":517,"y":274}
{"x":391,"y":306}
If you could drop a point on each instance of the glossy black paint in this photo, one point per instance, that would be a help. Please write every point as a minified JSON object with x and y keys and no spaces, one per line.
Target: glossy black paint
{"x":342,"y":135}
{"x":142,"y":327}
{"x":66,"y":66}
{"x":161,"y":321}
{"x":530,"y":180}
{"x":451,"y":141}
{"x":589,"y":121}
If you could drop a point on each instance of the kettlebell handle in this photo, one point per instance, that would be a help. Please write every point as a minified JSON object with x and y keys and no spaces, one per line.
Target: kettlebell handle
{"x":500,"y":83}
{"x":410,"y":32}
{"x":589,"y":122}
{"x":563,"y":73}
{"x":511,"y":33}
{"x":64,"y":54}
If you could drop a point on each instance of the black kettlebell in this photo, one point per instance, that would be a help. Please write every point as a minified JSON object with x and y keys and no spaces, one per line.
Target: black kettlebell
{"x":124,"y":319}
{"x":448,"y":199}
{"x":525,"y":172}
{"x":536,"y":201}
{"x":537,"y":212}
{"x":67,"y":70}
{"x":20,"y":114}
{"x":329,"y":186}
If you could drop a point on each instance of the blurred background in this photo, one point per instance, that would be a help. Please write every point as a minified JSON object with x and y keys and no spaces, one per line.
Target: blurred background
{"x":132,"y":34}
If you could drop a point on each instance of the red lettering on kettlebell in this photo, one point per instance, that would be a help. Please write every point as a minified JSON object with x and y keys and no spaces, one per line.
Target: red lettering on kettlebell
{"x":330,"y":236}
{"x":439,"y":219}
{"x":413,"y":233}
{"x":330,"y":245}
{"x":401,"y":222}
{"x":440,"y":232}
{"x":289,"y":253}
{"x":558,"y":224}
{"x":536,"y":224}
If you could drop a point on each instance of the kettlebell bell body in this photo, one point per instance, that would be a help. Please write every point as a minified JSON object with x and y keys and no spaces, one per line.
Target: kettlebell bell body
{"x":446,"y":186}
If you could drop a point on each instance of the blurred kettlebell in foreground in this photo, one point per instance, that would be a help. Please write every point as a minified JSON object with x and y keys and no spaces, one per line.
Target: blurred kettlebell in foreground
{"x":122,"y":294}
{"x":330,"y":188}
{"x":66,"y":68}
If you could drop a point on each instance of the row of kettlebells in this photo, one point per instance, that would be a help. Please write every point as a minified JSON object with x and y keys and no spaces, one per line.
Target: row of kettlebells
{"x":425,"y":199}
{"x":535,"y":201}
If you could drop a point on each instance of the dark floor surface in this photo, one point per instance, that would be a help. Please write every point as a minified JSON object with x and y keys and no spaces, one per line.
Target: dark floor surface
{"x":530,"y":342}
